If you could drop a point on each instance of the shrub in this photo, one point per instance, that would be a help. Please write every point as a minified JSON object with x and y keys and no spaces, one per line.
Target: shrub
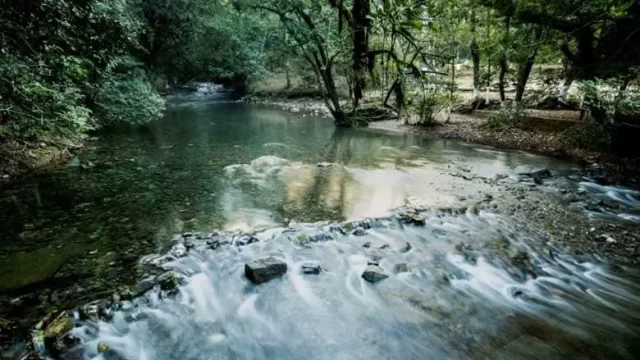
{"x":126,"y":95}
{"x":590,"y":135}
{"x":430,"y":104}
{"x":507,"y":117}
{"x":34,"y":105}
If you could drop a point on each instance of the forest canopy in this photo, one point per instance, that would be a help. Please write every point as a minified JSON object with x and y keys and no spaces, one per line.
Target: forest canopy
{"x":68,"y":66}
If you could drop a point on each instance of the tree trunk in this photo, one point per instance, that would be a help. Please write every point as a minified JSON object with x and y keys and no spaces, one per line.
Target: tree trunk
{"x":474,"y":48}
{"x":525,"y":69}
{"x":287,"y":74}
{"x":488,"y":57}
{"x":360,"y":13}
{"x":504,"y":65}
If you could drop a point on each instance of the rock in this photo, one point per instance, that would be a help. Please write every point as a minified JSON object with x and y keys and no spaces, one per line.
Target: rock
{"x":168,"y":281}
{"x":374,"y":274}
{"x":142,"y":287}
{"x":59,"y":327}
{"x":324,"y":164}
{"x":385,"y":246}
{"x":178,"y":251}
{"x":55,"y":337}
{"x":367,"y":245}
{"x":401,"y":268}
{"x":539,"y":174}
{"x":95,"y":310}
{"x":263,"y":270}
{"x":412,"y":218}
{"x":311,"y":269}
{"x":612,"y":204}
{"x":246,"y":240}
{"x":102,"y":347}
{"x":5,"y":176}
{"x":359,"y":232}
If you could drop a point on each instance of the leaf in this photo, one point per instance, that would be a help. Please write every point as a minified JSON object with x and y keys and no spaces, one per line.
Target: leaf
{"x":415,"y":24}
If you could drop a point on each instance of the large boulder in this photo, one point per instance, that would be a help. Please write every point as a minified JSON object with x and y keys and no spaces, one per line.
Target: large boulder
{"x":263,"y":270}
{"x":374,"y":273}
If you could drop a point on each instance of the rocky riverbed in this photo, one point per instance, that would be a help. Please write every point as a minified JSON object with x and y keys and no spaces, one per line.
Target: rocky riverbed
{"x":480,"y":263}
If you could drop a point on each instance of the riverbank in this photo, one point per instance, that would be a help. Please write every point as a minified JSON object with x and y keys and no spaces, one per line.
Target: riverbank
{"x":18,"y":160}
{"x":609,"y":168}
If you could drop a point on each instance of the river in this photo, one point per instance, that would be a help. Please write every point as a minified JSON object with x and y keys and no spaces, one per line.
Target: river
{"x":477,"y":280}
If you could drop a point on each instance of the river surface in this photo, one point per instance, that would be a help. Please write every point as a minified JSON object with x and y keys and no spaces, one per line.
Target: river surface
{"x":474,"y":281}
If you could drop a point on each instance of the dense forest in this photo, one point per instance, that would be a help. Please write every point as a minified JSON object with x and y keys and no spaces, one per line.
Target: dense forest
{"x":69,"y":66}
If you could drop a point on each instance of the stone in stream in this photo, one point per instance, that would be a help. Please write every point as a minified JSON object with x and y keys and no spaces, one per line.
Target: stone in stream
{"x":538,"y":175}
{"x":374,"y":273}
{"x":263,"y":270}
{"x":102,"y":348}
{"x":246,"y":240}
{"x":401,"y":268}
{"x":359,"y":232}
{"x":311,"y":269}
{"x":54,"y":338}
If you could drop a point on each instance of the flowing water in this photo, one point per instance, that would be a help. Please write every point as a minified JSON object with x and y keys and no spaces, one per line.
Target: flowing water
{"x":472,"y":282}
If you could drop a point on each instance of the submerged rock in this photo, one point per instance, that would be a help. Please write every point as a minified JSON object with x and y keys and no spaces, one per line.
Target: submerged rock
{"x":374,"y":274}
{"x":102,"y":347}
{"x":401,"y":268}
{"x":311,"y":269}
{"x":359,"y":232}
{"x":263,"y":270}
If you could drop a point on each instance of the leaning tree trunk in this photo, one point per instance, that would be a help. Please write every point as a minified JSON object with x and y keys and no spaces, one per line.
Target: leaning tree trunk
{"x":474,"y":48}
{"x":527,"y":65}
{"x":504,"y":65}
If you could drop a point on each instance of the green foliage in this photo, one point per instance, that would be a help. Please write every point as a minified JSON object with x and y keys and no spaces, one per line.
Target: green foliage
{"x":32,"y":106}
{"x":430,"y":105}
{"x":590,"y":135}
{"x":507,"y":117}
{"x":126,"y":96}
